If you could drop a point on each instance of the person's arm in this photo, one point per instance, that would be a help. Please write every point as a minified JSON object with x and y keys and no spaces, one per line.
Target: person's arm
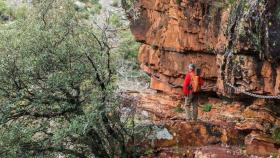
{"x":186,"y":83}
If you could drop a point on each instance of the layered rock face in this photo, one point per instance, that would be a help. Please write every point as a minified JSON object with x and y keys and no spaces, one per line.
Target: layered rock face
{"x":236,"y":43}
{"x":246,"y":130}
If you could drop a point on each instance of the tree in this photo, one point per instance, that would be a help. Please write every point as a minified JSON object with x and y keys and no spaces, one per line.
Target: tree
{"x":57,"y":92}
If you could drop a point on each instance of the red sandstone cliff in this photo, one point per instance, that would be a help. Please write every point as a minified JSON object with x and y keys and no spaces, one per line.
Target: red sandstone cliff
{"x":236,"y":43}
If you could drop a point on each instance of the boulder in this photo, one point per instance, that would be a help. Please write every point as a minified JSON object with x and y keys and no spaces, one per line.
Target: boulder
{"x":261,"y":145}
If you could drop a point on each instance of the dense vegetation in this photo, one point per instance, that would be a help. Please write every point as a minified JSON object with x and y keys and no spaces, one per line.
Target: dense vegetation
{"x":58,"y":83}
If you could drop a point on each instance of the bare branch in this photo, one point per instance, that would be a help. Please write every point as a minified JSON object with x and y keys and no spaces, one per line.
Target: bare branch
{"x":98,"y":76}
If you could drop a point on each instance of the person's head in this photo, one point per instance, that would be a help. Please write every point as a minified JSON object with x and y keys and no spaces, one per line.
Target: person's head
{"x":191,"y":67}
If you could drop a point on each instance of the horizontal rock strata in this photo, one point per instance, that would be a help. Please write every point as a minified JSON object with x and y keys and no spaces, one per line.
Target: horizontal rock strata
{"x":229,"y":44}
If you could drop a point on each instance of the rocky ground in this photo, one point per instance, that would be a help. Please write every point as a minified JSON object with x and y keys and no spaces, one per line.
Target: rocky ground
{"x":227,"y":130}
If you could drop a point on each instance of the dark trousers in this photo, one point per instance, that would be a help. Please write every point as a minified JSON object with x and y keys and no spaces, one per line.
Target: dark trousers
{"x":191,"y":106}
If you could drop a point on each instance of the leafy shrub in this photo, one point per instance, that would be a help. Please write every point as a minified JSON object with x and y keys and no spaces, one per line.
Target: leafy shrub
{"x":116,"y":20}
{"x":276,"y":134}
{"x":207,"y":107}
{"x":128,"y":47}
{"x":3,"y":6}
{"x":57,"y":87}
{"x":21,"y":12}
{"x":274,"y":156}
{"x":3,"y":11}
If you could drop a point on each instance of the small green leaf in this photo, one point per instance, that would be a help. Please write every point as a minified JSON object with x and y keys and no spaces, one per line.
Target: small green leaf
{"x":207,"y":107}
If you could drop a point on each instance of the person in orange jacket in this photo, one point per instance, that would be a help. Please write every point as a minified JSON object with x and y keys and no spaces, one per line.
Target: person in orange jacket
{"x":191,"y":98}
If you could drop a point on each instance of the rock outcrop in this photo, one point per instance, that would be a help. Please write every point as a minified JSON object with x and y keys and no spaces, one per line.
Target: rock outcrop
{"x":233,"y":42}
{"x":249,"y":129}
{"x":236,"y":43}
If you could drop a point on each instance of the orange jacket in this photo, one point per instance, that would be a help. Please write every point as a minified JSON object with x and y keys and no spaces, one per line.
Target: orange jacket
{"x":187,"y":82}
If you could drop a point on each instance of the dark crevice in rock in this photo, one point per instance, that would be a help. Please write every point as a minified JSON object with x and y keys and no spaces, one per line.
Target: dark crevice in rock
{"x":259,"y":70}
{"x":274,"y":73}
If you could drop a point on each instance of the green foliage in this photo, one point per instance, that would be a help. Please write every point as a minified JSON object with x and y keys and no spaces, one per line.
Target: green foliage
{"x":91,"y":1}
{"x":115,"y":3}
{"x":128,"y":4}
{"x":207,"y":107}
{"x":116,"y":21}
{"x":96,"y":9}
{"x":13,"y":138}
{"x":276,"y":134}
{"x":128,"y":65}
{"x":21,"y":12}
{"x":12,"y":13}
{"x":128,"y":46}
{"x":178,"y":110}
{"x":91,"y":7}
{"x":3,"y":6}
{"x":4,"y":10}
{"x":274,"y":156}
{"x":57,"y":87}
